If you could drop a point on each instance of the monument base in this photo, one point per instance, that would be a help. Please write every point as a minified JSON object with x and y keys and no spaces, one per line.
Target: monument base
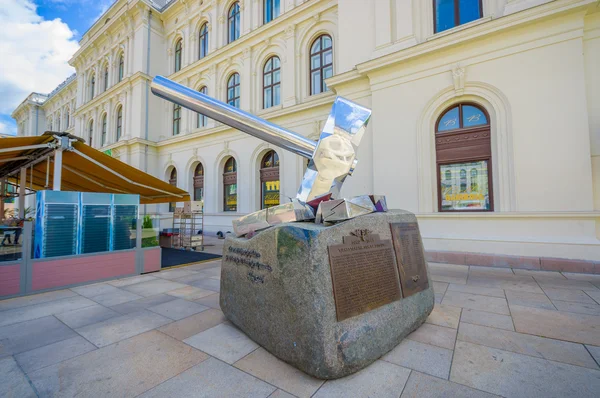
{"x":329,"y":300}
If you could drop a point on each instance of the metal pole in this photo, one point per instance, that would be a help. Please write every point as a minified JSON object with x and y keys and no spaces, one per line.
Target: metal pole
{"x":22,"y":188}
{"x":3,"y":191}
{"x":233,"y":117}
{"x":57,"y":169}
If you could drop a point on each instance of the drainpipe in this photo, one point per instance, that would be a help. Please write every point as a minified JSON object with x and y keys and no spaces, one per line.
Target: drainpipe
{"x":147,"y":97}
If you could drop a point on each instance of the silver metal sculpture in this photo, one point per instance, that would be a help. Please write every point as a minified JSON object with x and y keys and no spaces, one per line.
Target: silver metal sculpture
{"x":332,"y":158}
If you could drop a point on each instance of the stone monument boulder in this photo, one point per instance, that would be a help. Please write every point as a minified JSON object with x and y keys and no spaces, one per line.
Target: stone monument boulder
{"x":329,"y":300}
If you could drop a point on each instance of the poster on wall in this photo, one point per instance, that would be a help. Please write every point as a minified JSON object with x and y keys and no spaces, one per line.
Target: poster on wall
{"x":464,"y":186}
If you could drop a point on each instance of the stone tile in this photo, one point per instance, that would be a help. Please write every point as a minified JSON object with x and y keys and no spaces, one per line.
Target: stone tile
{"x":44,"y":309}
{"x":212,"y":378}
{"x":178,"y":309}
{"x":526,"y":299}
{"x":449,"y":273}
{"x":581,"y":308}
{"x":565,"y":284}
{"x":263,"y":365}
{"x":206,"y":265}
{"x":153,"y":287}
{"x":32,"y":334}
{"x":484,"y":291}
{"x":487,"y":319}
{"x":422,"y":357}
{"x":190,"y":278}
{"x":476,"y":302}
{"x":449,"y":279}
{"x":214,"y":273}
{"x":280,"y":394}
{"x":474,"y":270}
{"x":568,"y":326}
{"x":440,"y":287}
{"x":421,"y":385}
{"x":444,"y":315}
{"x":555,"y":350}
{"x":582,"y":277}
{"x":575,"y":295}
{"x":125,"y":369}
{"x":194,"y":324}
{"x":115,"y":298}
{"x":595,"y":351}
{"x":435,"y":335}
{"x":95,"y":289}
{"x":437,"y":299}
{"x":208,"y":284}
{"x":190,"y":293}
{"x":19,"y":302}
{"x":595,"y":295}
{"x":132,"y":280}
{"x":142,"y":304}
{"x":53,"y":353}
{"x":13,"y":383}
{"x":517,"y":375}
{"x":380,"y":379}
{"x":211,"y":301}
{"x":116,"y":329}
{"x":174,"y":273}
{"x":86,"y":316}
{"x":507,"y":282}
{"x":538,"y":273}
{"x":224,"y":342}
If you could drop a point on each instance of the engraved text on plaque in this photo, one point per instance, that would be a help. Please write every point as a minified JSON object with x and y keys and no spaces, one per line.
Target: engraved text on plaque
{"x":410,"y":257}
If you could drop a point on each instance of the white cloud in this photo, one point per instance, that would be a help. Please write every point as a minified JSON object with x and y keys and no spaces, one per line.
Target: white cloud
{"x":34,"y":52}
{"x":6,"y":129}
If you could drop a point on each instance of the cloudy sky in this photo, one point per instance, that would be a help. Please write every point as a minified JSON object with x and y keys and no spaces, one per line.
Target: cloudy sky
{"x":37,"y":39}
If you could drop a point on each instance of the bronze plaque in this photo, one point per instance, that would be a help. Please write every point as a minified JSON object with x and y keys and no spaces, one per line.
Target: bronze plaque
{"x":411,"y":261}
{"x":364,"y":274}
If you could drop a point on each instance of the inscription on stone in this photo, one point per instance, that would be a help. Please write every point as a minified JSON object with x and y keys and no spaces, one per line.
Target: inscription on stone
{"x":411,"y":261}
{"x":364,"y":274}
{"x":249,"y":258}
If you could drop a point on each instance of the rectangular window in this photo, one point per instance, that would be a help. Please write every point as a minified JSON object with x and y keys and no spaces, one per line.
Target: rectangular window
{"x":230,"y":198}
{"x":270,"y":194}
{"x":451,"y":13}
{"x":465,"y":186}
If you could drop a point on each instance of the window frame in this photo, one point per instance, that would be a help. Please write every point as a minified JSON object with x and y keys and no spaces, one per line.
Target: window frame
{"x":198,"y":180}
{"x":203,"y":41}
{"x":233,"y":86}
{"x":173,"y":182}
{"x":321,"y":60}
{"x":176,"y":120}
{"x":121,"y":72}
{"x":271,"y":4}
{"x":104,"y":130}
{"x":119,"y":125}
{"x":268,"y":174}
{"x":233,"y":19}
{"x":456,"y":135}
{"x":456,"y":15}
{"x":106,"y":78}
{"x":67,"y":117}
{"x":272,"y":85}
{"x":229,"y":178}
{"x":178,"y":55}
{"x":202,"y":120}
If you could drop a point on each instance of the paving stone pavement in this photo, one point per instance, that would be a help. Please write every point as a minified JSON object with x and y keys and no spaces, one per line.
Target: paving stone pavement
{"x":493,"y":332}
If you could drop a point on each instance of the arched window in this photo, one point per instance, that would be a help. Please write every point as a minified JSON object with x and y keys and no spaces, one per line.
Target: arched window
{"x":121,"y":67}
{"x":269,"y":180}
{"x":201,"y":118}
{"x":451,"y":13}
{"x":464,"y":159}
{"x":321,"y":63}
{"x":178,"y":50}
{"x":91,"y":132}
{"x":92,"y":86}
{"x":233,"y":90}
{"x":233,"y":22}
{"x":103,"y":141}
{"x":199,"y":182}
{"x":176,"y":119}
{"x":106,"y":78}
{"x":173,"y":181}
{"x":230,"y":185}
{"x":271,"y":8}
{"x":271,"y":83}
{"x":203,"y":41}
{"x":119,"y":122}
{"x":67,"y":118}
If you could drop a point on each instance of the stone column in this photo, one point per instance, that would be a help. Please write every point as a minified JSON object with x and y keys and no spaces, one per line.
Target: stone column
{"x":245,"y":17}
{"x":246,"y":79}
